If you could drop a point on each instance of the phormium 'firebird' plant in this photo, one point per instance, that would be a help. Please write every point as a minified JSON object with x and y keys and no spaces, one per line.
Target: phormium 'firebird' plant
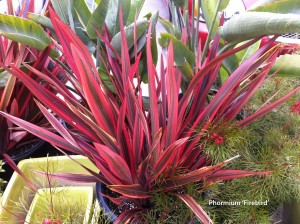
{"x":141,"y":153}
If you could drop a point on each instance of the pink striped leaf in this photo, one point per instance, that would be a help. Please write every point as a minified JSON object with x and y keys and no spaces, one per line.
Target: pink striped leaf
{"x":221,"y":175}
{"x":115,"y":162}
{"x":196,"y":208}
{"x":132,"y":191}
{"x":42,"y":133}
{"x":167,"y":158}
{"x":128,"y":215}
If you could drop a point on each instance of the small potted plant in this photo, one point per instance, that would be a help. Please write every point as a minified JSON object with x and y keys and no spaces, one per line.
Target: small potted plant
{"x":148,"y":156}
{"x":20,"y":190}
{"x":61,"y":205}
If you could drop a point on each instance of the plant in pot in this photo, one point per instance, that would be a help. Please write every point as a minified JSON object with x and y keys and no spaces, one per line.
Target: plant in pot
{"x":18,"y":195}
{"x":61,"y":205}
{"x":54,"y":199}
{"x":148,"y":158}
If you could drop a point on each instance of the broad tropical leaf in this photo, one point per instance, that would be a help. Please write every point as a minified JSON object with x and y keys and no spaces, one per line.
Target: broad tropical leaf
{"x":141,"y":27}
{"x":135,"y":9}
{"x":287,"y":66}
{"x":83,"y":12}
{"x":97,"y":19}
{"x":276,"y":6}
{"x":209,"y":8}
{"x":23,"y":31}
{"x":43,"y":20}
{"x":183,"y":56}
{"x":249,"y":25}
{"x":112,"y":19}
{"x":63,"y":9}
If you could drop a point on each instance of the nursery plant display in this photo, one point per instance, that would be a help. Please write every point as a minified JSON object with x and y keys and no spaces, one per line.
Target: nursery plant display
{"x":155,"y":160}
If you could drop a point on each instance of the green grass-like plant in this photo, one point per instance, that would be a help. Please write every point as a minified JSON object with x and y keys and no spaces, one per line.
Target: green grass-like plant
{"x":270,"y":143}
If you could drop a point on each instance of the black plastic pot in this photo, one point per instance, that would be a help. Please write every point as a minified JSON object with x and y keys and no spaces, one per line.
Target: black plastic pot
{"x":18,"y":157}
{"x":29,"y":152}
{"x":103,"y":202}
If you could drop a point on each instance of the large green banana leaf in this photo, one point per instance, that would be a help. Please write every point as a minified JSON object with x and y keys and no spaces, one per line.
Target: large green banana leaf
{"x":249,"y":25}
{"x":23,"y":31}
{"x":277,"y":6}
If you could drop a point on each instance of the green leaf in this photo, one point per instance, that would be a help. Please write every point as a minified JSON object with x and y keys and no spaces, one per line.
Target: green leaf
{"x":247,"y":52}
{"x":4,"y":76}
{"x":43,"y":20}
{"x":80,"y":32}
{"x":249,"y":25}
{"x":231,"y":63}
{"x":141,"y":27}
{"x":82,"y":11}
{"x":97,"y":19}
{"x":183,"y":56}
{"x":154,"y":19}
{"x":113,"y":20}
{"x":287,"y":66}
{"x":277,"y":6}
{"x":187,"y":70}
{"x":179,"y":3}
{"x":62,"y":8}
{"x":23,"y":31}
{"x":169,"y":27}
{"x":208,"y":8}
{"x":135,"y":9}
{"x":106,"y":79}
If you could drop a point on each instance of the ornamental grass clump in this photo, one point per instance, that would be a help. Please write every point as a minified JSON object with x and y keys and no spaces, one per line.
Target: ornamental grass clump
{"x":146,"y":155}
